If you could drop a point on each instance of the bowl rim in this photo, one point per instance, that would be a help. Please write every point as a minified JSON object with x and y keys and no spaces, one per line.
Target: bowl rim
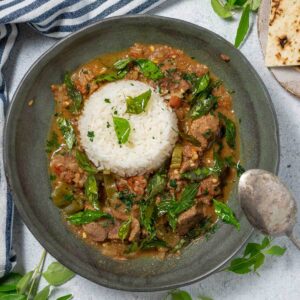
{"x":18,"y":202}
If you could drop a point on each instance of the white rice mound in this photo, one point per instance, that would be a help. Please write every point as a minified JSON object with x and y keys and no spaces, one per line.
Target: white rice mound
{"x":153,"y":133}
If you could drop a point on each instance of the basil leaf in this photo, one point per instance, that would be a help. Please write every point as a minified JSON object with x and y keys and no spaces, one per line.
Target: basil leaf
{"x":122,"y":63}
{"x":189,"y":138}
{"x":24,"y":282}
{"x":87,"y":216}
{"x":260,"y":259}
{"x":155,"y":243}
{"x":66,"y":297}
{"x":146,"y":215}
{"x":57,"y":274}
{"x":276,"y":250}
{"x":265,"y":242}
{"x":241,"y":265}
{"x":230,"y":130}
{"x":221,"y":10}
{"x":91,"y":191}
{"x":52,"y":143}
{"x":43,"y":294}
{"x":106,"y":77}
{"x":67,"y":131}
{"x":137,"y":105}
{"x":73,"y":93}
{"x":156,"y":184}
{"x":84,"y":163}
{"x":201,"y":84}
{"x":252,"y":249}
{"x":197,"y":174}
{"x":225,"y":213}
{"x":187,"y":198}
{"x":127,"y":198}
{"x":124,"y":229}
{"x":203,"y":107}
{"x":243,"y":26}
{"x":230,"y":163}
{"x":9,"y":282}
{"x":149,"y":69}
{"x":180,"y":295}
{"x":13,"y":297}
{"x":122,"y":129}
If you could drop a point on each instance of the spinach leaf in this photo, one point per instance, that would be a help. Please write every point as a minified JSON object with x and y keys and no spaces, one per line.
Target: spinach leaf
{"x":137,"y":105}
{"x":52,"y":143}
{"x":122,"y":129}
{"x":66,"y":297}
{"x":87,"y":216}
{"x":122,"y":63}
{"x":220,"y":9}
{"x":124,"y":229}
{"x":9,"y":282}
{"x":243,"y":26}
{"x":156,"y":184}
{"x":230,"y":130}
{"x":149,"y":69}
{"x":225,"y":213}
{"x":43,"y":294}
{"x":73,"y":93}
{"x":189,"y":138}
{"x":106,"y":77}
{"x":67,"y":131}
{"x":180,"y":295}
{"x":57,"y":274}
{"x":203,"y":107}
{"x":91,"y":191}
{"x":84,"y":163}
{"x":127,"y":198}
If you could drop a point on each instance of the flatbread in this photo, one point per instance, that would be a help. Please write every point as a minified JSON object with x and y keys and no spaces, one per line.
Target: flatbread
{"x":283,"y":47}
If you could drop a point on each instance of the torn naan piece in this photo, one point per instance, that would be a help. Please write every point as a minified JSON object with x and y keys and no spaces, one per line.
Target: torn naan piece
{"x":283,"y":47}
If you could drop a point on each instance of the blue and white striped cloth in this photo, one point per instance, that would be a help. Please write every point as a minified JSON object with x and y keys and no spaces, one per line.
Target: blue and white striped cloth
{"x":53,"y":18}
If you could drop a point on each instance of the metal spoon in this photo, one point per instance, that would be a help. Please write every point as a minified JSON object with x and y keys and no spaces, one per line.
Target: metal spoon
{"x":268,"y":204}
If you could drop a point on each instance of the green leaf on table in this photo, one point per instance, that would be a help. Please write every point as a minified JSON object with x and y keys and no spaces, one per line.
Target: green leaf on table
{"x":84,"y":163}
{"x":243,"y":26}
{"x":9,"y":282}
{"x":220,"y":9}
{"x":230,"y":130}
{"x":122,"y":129}
{"x":137,"y":105}
{"x":57,"y":274}
{"x":276,"y":250}
{"x":124,"y":229}
{"x":73,"y":93}
{"x":87,"y":216}
{"x":225,"y":213}
{"x":43,"y":294}
{"x":13,"y":297}
{"x":24,"y":283}
{"x":149,"y":69}
{"x":67,"y":131}
{"x":65,"y":297}
{"x":180,"y":295}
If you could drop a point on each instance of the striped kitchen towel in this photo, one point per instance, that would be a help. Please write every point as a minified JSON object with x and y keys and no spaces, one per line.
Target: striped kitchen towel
{"x":53,"y":18}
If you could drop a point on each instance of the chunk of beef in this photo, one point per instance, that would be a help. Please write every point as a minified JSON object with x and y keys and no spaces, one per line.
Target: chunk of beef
{"x":67,"y":170}
{"x":113,"y":231}
{"x":210,"y":186}
{"x":204,"y":129}
{"x":190,"y":157}
{"x":95,"y":231}
{"x":189,"y":219}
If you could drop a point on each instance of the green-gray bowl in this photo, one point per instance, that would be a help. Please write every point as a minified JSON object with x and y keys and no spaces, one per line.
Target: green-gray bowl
{"x":26,"y":162}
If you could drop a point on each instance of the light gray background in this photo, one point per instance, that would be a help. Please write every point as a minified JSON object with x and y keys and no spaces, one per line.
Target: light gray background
{"x":279,"y":278}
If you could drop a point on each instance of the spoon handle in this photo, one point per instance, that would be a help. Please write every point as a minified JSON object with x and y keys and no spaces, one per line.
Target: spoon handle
{"x":295,"y":240}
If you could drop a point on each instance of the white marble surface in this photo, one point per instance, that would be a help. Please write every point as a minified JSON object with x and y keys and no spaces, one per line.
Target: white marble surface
{"x":279,"y":277}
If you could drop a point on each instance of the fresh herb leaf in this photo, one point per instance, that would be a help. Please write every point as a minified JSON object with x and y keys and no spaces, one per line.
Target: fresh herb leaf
{"x":180,"y":295}
{"x":122,"y":129}
{"x":230,"y":130}
{"x":106,"y":77}
{"x":220,"y":9}
{"x":73,"y":93}
{"x":147,"y":208}
{"x":201,"y":84}
{"x":52,"y":143}
{"x":189,"y":138}
{"x":243,"y":26}
{"x":122,"y":63}
{"x":203,"y":107}
{"x":106,"y":100}
{"x":127,"y":198}
{"x":24,"y":283}
{"x":230,"y":163}
{"x":276,"y":250}
{"x":149,"y":69}
{"x":173,"y":183}
{"x":156,"y":184}
{"x":198,"y":174}
{"x":91,"y":191}
{"x":150,"y":244}
{"x":137,"y":105}
{"x":66,"y":297}
{"x":87,"y":216}
{"x":91,"y":135}
{"x":67,"y":131}
{"x":9,"y":282}
{"x":57,"y":274}
{"x":124,"y":229}
{"x":225,"y":213}
{"x":43,"y":294}
{"x":84,"y":163}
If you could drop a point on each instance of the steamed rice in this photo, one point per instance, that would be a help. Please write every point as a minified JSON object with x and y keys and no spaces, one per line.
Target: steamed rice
{"x":153,"y":133}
